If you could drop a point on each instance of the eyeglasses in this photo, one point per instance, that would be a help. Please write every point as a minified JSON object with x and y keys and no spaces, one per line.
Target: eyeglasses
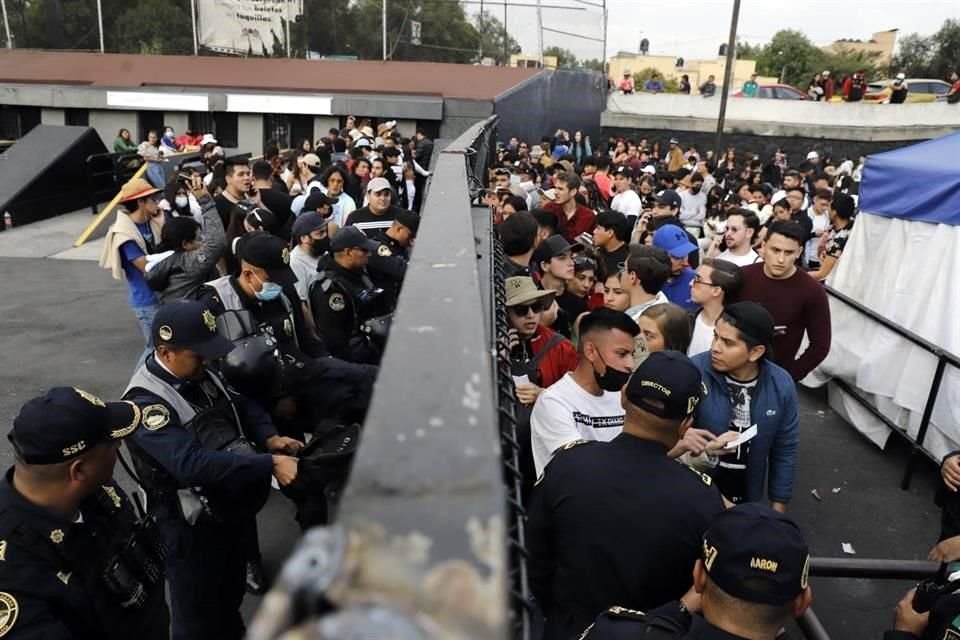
{"x":522,"y":310}
{"x":699,"y":280}
{"x":583,"y":263}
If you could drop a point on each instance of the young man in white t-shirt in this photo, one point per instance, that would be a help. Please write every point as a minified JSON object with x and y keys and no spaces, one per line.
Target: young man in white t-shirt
{"x":742,"y":227}
{"x":717,"y":281}
{"x":585,"y":404}
{"x":627,"y":201}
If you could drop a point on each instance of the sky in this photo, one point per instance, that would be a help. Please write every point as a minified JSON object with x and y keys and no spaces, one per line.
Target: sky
{"x":696,"y":28}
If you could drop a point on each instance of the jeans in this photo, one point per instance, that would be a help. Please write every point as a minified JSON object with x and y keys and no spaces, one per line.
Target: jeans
{"x":156,"y":175}
{"x":145,"y":317}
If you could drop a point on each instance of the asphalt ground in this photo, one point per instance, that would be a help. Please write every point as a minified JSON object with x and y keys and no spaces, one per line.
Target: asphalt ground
{"x":66,"y":322}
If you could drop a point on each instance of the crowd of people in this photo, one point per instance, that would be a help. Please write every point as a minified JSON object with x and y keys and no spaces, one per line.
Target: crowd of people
{"x":663,"y":304}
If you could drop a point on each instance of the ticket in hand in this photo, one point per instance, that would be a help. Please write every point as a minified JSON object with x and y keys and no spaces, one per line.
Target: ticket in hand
{"x":744,"y":437}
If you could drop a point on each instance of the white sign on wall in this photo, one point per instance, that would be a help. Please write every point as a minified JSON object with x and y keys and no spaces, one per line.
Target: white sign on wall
{"x":241,"y":26}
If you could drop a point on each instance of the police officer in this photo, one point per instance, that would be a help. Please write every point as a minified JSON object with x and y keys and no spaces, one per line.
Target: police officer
{"x":264,"y":286}
{"x":388,"y":263}
{"x":750,"y":580}
{"x":620,"y":522}
{"x":199,"y":457}
{"x":67,"y":529}
{"x":344,"y":296}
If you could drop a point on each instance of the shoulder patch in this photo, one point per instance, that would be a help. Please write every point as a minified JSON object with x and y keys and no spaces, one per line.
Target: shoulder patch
{"x":155,"y":416}
{"x":9,"y":610}
{"x":575,"y":443}
{"x":384,"y":250}
{"x":113,"y":495}
{"x":337,"y":303}
{"x":3,"y":550}
{"x":623,"y":612}
{"x":704,"y":478}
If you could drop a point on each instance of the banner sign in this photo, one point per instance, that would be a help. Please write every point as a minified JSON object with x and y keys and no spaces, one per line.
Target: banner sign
{"x":244,"y":26}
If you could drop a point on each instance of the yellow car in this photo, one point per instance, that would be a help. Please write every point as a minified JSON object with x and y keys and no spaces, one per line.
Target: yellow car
{"x":919,"y":90}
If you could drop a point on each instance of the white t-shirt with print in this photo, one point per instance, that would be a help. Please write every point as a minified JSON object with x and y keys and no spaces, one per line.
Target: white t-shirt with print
{"x":702,"y":338}
{"x":566,"y":412}
{"x":741,"y":261}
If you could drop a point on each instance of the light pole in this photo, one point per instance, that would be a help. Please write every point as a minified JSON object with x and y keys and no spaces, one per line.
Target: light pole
{"x":727,"y":75}
{"x":384,"y":19}
{"x":783,"y":71}
{"x":6,"y":23}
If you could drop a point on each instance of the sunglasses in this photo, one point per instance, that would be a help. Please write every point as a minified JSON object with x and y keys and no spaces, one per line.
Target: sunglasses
{"x":583,"y":263}
{"x":522,"y":310}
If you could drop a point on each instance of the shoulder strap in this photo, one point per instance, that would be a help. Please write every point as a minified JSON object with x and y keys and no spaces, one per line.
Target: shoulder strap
{"x":534,"y":362}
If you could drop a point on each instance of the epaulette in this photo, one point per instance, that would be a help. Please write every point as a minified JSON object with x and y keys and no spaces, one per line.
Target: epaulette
{"x":613,"y":613}
{"x":706,"y":479}
{"x":571,"y":445}
{"x":623,"y":612}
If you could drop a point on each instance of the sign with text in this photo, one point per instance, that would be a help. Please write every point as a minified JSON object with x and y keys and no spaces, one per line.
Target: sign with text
{"x":245,"y":26}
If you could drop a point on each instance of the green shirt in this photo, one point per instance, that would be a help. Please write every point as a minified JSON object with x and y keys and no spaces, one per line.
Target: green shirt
{"x":750,"y":89}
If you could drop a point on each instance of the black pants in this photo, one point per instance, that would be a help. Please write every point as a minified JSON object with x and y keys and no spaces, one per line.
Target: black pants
{"x":207,"y":576}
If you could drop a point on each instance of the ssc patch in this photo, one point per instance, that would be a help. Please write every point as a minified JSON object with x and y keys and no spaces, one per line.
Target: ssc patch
{"x":156,"y":416}
{"x":209,"y":321}
{"x":337,"y":302}
{"x":9,"y":610}
{"x":384,"y":250}
{"x":112,"y":494}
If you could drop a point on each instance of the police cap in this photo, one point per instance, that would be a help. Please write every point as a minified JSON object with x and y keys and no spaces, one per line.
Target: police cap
{"x":409,"y":219}
{"x":66,"y":422}
{"x":351,"y":238}
{"x":756,"y":554}
{"x":270,"y":253}
{"x":187,"y":324}
{"x":667,"y":384}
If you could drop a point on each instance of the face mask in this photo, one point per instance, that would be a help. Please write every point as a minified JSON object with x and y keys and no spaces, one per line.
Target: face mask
{"x":612,"y":379}
{"x":268,"y":290}
{"x":514,"y":179}
{"x":320,"y":247}
{"x":181,"y":201}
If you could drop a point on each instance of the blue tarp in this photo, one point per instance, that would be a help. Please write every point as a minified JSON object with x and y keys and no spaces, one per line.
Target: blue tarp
{"x":920,"y":182}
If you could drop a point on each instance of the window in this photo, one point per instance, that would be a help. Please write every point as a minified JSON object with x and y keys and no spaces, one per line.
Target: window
{"x":785,"y":93}
{"x":16,"y":122}
{"x":302,"y":127}
{"x":765,"y":92}
{"x":76,"y":117}
{"x":226,"y":129}
{"x":201,"y":122}
{"x":150,"y":121}
{"x":939,"y":88}
{"x":276,"y":130}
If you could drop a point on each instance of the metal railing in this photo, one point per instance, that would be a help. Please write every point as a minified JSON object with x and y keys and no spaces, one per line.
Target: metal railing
{"x":106,"y":172}
{"x":943,"y":359}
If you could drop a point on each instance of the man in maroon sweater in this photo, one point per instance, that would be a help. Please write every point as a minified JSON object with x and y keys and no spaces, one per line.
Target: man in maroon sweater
{"x":573,"y":218}
{"x":797,"y":302}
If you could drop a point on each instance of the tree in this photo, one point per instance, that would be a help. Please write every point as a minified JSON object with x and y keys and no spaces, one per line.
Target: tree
{"x":670,"y":83}
{"x":946,"y":57}
{"x":154,"y":26}
{"x":566,"y":59}
{"x":747,"y":51}
{"x":844,"y":61}
{"x":491,"y":38}
{"x":594,"y":65}
{"x":915,"y":56}
{"x":791,"y":54}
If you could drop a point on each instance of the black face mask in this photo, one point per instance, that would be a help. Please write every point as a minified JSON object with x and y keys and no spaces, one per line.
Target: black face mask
{"x":319,"y":247}
{"x":612,"y":379}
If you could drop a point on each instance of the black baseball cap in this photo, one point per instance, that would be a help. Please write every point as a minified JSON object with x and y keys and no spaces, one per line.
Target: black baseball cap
{"x":269,"y":253}
{"x":756,"y":554}
{"x":668,"y":197}
{"x":305,"y":223}
{"x":351,"y":238}
{"x":187,"y":324}
{"x":318,"y":199}
{"x":666,"y":384}
{"x":554,"y":246}
{"x":66,"y":422}
{"x":625,"y":171}
{"x":752,"y":320}
{"x":409,"y":219}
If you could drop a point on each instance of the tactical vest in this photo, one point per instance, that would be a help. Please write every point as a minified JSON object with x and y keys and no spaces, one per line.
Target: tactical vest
{"x":857,"y":86}
{"x":232,"y":301}
{"x":217,"y":428}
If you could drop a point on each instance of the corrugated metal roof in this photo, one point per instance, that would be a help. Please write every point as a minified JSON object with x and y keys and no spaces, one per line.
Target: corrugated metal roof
{"x":264,"y":74}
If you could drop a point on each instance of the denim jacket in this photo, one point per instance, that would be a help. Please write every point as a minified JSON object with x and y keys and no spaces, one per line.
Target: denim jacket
{"x":773,"y":408}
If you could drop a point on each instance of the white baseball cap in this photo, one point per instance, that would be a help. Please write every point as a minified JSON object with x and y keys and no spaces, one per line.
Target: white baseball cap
{"x":813,"y":155}
{"x":208,"y":139}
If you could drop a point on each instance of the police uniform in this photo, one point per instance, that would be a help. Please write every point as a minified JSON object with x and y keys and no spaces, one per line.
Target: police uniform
{"x":751,"y":552}
{"x":619,"y":523}
{"x":388,"y":263}
{"x":346,"y":386}
{"x":205,"y":480}
{"x":341,"y":300}
{"x":76,"y":578}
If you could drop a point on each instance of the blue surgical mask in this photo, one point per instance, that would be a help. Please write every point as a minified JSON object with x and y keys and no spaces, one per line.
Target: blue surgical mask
{"x":268,"y":290}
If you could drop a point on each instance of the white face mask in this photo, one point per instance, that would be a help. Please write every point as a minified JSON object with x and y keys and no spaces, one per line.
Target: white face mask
{"x":182,"y":201}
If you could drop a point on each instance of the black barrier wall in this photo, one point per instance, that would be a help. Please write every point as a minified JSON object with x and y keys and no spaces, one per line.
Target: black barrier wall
{"x":551,"y":100}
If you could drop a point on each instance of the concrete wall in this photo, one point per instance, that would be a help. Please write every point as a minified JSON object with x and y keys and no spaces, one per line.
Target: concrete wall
{"x":179,"y":120}
{"x":53,"y":116}
{"x":322,"y":124}
{"x":572,"y":100}
{"x":460,"y":115}
{"x":250,"y":133}
{"x":857,"y":121}
{"x":108,"y":122}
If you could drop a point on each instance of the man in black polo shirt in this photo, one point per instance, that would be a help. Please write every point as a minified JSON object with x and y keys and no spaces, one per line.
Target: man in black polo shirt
{"x":518,"y":235}
{"x":276,"y":201}
{"x":379,"y":214}
{"x":239,"y":183}
{"x":610,"y":238}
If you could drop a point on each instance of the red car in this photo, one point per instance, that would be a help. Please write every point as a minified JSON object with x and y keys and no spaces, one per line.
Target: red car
{"x":776,"y":92}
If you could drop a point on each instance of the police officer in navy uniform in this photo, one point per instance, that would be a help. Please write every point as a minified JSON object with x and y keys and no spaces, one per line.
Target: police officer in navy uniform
{"x":619,"y":522}
{"x":388,"y":263}
{"x":344,"y":296}
{"x":264,"y":286}
{"x":205,"y":456}
{"x":66,"y":528}
{"x":750,"y":580}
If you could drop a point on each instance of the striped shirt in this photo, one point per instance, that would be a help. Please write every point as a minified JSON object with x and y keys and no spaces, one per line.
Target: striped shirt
{"x":371,"y":223}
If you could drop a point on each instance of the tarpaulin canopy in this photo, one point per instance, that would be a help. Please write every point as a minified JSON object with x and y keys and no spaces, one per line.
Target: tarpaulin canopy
{"x":919,"y":182}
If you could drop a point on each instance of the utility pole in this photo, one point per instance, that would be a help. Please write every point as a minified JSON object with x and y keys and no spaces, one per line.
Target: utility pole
{"x":6,"y":23}
{"x":384,"y":34}
{"x":99,"y":23}
{"x":480,"y":54}
{"x":506,"y":37}
{"x":603,"y":57}
{"x":193,"y":19}
{"x":727,"y":76}
{"x":540,"y":33}
{"x":286,"y":21}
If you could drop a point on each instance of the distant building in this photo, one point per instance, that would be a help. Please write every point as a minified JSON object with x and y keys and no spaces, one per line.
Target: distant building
{"x":532,"y":62}
{"x":881,"y":42}
{"x":697,"y":70}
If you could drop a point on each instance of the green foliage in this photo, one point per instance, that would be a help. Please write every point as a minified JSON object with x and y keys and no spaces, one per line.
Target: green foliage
{"x":154,"y":26}
{"x":845,"y":62}
{"x":747,"y":51}
{"x":491,"y":38}
{"x":594,"y":65}
{"x":794,"y":54}
{"x":566,"y":59}
{"x":930,"y":56}
{"x":671,"y":84}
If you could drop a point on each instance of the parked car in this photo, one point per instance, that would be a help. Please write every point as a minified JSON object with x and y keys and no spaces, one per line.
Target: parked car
{"x":776,"y":92}
{"x":920,"y":90}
